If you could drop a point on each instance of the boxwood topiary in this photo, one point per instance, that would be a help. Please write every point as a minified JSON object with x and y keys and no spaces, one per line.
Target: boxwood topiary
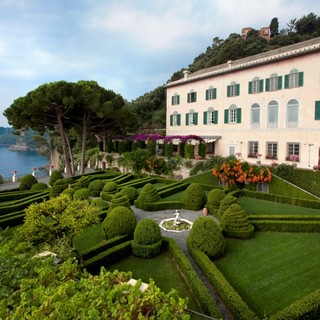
{"x":39,"y":186}
{"x":69,"y":191}
{"x":100,"y":203}
{"x":83,"y":182}
{"x":27,"y":182}
{"x":131,"y":192}
{"x":110,"y":186}
{"x":234,"y":223}
{"x":213,"y":201}
{"x":194,"y":197}
{"x":95,"y":187}
{"x":119,"y":221}
{"x":119,"y":200}
{"x":55,"y":175}
{"x":147,"y":239}
{"x":206,"y":236}
{"x":82,"y":194}
{"x":225,"y":203}
{"x":148,"y":194}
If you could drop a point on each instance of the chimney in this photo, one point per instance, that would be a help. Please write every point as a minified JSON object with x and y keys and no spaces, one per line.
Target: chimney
{"x":186,"y":74}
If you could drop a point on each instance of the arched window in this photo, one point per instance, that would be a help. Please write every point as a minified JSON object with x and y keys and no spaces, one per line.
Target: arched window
{"x":274,"y":82}
{"x":175,"y":119}
{"x":293,"y":78}
{"x":292,"y":113}
{"x":233,"y":114}
{"x":210,"y":116}
{"x":255,"y":115}
{"x":192,"y":117}
{"x":273,"y":114}
{"x":263,"y":187}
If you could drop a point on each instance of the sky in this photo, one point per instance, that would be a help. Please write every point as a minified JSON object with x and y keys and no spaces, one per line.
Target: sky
{"x":128,"y":46}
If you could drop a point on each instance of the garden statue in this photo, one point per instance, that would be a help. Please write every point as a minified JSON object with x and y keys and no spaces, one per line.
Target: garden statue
{"x":177,"y":218}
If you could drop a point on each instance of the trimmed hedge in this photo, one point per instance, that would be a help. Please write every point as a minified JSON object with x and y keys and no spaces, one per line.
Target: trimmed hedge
{"x":225,"y":203}
{"x":213,"y":200}
{"x":149,"y":194}
{"x":231,"y":298}
{"x":95,"y":187}
{"x":27,"y":182}
{"x":106,"y":196}
{"x":160,"y":205}
{"x":194,"y":197}
{"x":55,"y":175}
{"x":131,"y":192}
{"x":172,"y":188}
{"x":81,"y":194}
{"x":16,"y":195}
{"x":110,"y":187}
{"x":39,"y":186}
{"x":119,"y":200}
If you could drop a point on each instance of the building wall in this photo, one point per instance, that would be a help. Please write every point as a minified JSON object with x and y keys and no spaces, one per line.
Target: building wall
{"x":235,"y":137}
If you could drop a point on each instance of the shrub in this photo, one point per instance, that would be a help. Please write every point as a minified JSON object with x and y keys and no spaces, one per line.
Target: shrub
{"x":95,"y":187}
{"x":120,"y":221}
{"x":123,"y":146}
{"x":147,"y":239}
{"x":110,"y":146}
{"x":106,"y":196}
{"x":69,"y":191}
{"x":207,"y":237}
{"x":27,"y":182}
{"x":234,"y":223}
{"x":182,"y":149}
{"x":225,"y":203}
{"x":131,"y":192}
{"x":39,"y":186}
{"x":149,"y":194}
{"x":119,"y":200}
{"x":136,"y":145}
{"x":214,"y":198}
{"x":83,"y":182}
{"x":1,"y":179}
{"x":202,"y":150}
{"x":55,"y":175}
{"x":99,"y":203}
{"x":82,"y":193}
{"x":151,"y":147}
{"x":194,"y":197}
{"x":168,"y":150}
{"x":110,"y":186}
{"x":189,"y":151}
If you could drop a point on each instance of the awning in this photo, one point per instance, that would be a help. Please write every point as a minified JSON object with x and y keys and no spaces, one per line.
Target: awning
{"x":210,"y":139}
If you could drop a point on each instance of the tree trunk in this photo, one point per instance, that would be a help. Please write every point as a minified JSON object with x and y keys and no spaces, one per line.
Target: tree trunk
{"x":84,"y":142}
{"x":70,"y":154}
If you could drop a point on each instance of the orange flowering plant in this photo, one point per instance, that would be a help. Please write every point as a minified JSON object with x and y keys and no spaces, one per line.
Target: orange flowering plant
{"x":240,"y":173}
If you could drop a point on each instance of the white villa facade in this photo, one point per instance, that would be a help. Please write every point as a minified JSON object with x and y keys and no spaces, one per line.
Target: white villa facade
{"x":266,"y":106}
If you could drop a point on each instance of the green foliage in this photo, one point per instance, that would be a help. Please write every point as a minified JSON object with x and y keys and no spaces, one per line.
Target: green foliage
{"x":147,"y":239}
{"x":95,"y":187}
{"x":110,"y":186}
{"x":39,"y":186}
{"x":225,"y":203}
{"x":284,"y":171}
{"x":207,"y":237}
{"x":148,"y":194}
{"x":234,"y":223}
{"x":55,"y":175}
{"x":189,"y":151}
{"x":27,"y":182}
{"x":83,"y":182}
{"x":119,"y":199}
{"x":119,"y":221}
{"x":157,"y":165}
{"x":136,"y":145}
{"x":182,"y":149}
{"x":151,"y":147}
{"x":194,"y":197}
{"x":81,"y":194}
{"x":168,"y":150}
{"x":1,"y":179}
{"x":131,"y":192}
{"x":110,"y":146}
{"x":100,"y":203}
{"x":123,"y":146}
{"x":214,"y":198}
{"x":136,"y":160}
{"x":70,"y":192}
{"x":202,"y":150}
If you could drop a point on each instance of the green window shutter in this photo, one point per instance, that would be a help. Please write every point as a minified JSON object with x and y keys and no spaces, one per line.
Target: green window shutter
{"x":317,"y":111}
{"x":171,"y":120}
{"x":205,"y":115}
{"x":178,"y":99}
{"x":250,"y":87}
{"x":179,"y":119}
{"x":238,"y":115}
{"x":226,"y":116}
{"x":187,"y":119}
{"x":228,"y":91}
{"x":195,"y":97}
{"x":261,"y":85}
{"x":207,"y":94}
{"x":189,"y":95}
{"x":216,"y":117}
{"x":215,"y":93}
{"x":286,"y":81}
{"x":196,"y":118}
{"x":237,"y":89}
{"x":300,"y":79}
{"x":279,"y":82}
{"x":267,"y":84}
{"x":172,"y":100}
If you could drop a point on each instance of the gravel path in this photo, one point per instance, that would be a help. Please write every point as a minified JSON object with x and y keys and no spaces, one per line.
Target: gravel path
{"x":180,"y":238}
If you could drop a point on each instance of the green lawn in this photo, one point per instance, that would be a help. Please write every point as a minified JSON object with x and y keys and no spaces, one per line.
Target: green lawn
{"x":272,"y":270}
{"x":261,"y":207}
{"x":163,"y":270}
{"x":89,"y":238}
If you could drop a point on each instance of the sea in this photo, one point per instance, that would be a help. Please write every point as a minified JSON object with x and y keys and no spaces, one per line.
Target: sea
{"x":22,"y":161}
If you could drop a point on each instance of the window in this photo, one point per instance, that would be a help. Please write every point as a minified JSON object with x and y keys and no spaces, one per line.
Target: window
{"x":232,"y":115}
{"x":192,"y":97}
{"x":191,"y":118}
{"x":317,"y":110}
{"x":274,"y":83}
{"x":263,"y":187}
{"x":293,"y":151}
{"x":233,"y":90}
{"x":272,"y":150}
{"x":255,"y":86}
{"x":175,"y":99}
{"x":255,"y":116}
{"x":253,"y":149}
{"x":211,"y":93}
{"x":210,"y":116}
{"x":292,"y":113}
{"x":294,"y":79}
{"x":175,"y":119}
{"x":232,"y":150}
{"x":273,"y":114}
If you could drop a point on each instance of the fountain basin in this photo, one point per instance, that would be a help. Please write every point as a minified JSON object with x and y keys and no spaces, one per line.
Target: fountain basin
{"x":172,"y":225}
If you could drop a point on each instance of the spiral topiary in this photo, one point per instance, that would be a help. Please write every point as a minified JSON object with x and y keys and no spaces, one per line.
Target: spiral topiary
{"x":119,"y":221}
{"x":225,"y":203}
{"x":234,"y":223}
{"x":55,"y":175}
{"x":27,"y":182}
{"x":110,"y":187}
{"x":83,"y":182}
{"x":100,"y":203}
{"x":213,"y":201}
{"x":39,"y":186}
{"x":149,"y":194}
{"x":131,"y":192}
{"x":82,"y":194}
{"x":207,"y":237}
{"x":119,"y":200}
{"x":194,"y":197}
{"x":95,"y":187}
{"x":147,"y":239}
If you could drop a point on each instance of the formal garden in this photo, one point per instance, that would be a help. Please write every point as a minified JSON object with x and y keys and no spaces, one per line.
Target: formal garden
{"x":257,"y":247}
